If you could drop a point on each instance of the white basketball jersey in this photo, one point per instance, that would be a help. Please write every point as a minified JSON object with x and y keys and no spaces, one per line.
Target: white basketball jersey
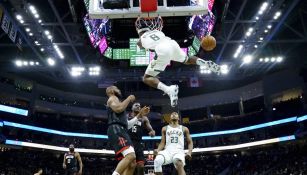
{"x":174,"y":138}
{"x":152,"y":38}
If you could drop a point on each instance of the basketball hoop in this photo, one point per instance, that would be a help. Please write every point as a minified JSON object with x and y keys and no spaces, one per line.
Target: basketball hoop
{"x":153,"y":23}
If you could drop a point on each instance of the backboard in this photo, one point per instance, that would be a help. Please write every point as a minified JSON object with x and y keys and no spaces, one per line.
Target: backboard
{"x":96,"y":11}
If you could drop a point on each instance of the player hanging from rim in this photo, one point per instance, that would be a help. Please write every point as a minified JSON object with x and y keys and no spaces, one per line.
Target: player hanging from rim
{"x":70,"y":162}
{"x":136,"y":133}
{"x":118,"y":126}
{"x":172,"y":144}
{"x":166,"y":50}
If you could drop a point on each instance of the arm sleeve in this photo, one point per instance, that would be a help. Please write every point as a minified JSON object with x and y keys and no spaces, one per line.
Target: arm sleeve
{"x":132,"y":122}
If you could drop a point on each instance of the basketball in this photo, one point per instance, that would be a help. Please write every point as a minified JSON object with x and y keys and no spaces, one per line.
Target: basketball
{"x":208,"y":43}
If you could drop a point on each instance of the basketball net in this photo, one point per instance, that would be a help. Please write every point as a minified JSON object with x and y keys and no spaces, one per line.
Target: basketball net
{"x":154,"y":23}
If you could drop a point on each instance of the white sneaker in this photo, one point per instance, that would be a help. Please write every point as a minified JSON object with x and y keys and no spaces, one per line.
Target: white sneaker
{"x":173,"y":94}
{"x":210,"y":65}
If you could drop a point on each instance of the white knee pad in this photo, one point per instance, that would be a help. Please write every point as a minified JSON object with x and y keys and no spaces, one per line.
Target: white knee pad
{"x":159,"y":160}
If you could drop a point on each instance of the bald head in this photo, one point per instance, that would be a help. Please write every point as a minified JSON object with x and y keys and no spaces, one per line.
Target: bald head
{"x":113,"y":90}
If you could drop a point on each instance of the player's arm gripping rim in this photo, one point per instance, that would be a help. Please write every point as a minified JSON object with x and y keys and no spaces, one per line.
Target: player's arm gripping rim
{"x":118,"y":106}
{"x":163,"y":140}
{"x":148,"y":126}
{"x":190,"y":143}
{"x":64,"y":162}
{"x":80,"y":163}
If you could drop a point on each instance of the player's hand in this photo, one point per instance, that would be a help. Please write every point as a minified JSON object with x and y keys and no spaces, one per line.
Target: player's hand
{"x":131,"y":98}
{"x":152,"y":133}
{"x":64,"y":166}
{"x":188,"y":156}
{"x":144,"y":111}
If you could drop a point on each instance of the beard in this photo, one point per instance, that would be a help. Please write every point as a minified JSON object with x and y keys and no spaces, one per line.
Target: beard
{"x":174,"y":120}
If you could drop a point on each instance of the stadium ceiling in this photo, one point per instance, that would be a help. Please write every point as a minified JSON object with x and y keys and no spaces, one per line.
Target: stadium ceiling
{"x":63,"y":19}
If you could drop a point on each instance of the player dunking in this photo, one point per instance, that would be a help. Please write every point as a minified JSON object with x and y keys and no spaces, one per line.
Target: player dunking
{"x":136,"y":133}
{"x":172,"y":144}
{"x":70,"y":162}
{"x":118,"y":130}
{"x":166,"y":50}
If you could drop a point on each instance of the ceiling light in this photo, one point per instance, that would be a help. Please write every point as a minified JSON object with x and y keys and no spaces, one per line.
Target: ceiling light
{"x":37,"y":63}
{"x":257,"y":18}
{"x":31,"y":7}
{"x":273,"y":59}
{"x":247,"y":59}
{"x":250,"y":29}
{"x":51,"y":61}
{"x":269,"y":26}
{"x":18,"y":63}
{"x":264,"y":6}
{"x":25,"y":63}
{"x":40,"y":21}
{"x":266,"y":31}
{"x":266,"y":60}
{"x":256,"y":46}
{"x":36,"y":16}
{"x":31,"y":34}
{"x":19,"y":17}
{"x":261,"y":60}
{"x":28,"y":29}
{"x":42,"y":49}
{"x":261,"y":38}
{"x":22,"y":21}
{"x":31,"y":63}
{"x":277,"y":15}
{"x":279,"y":59}
{"x":224,"y":69}
{"x":49,"y":37}
{"x":47,"y":32}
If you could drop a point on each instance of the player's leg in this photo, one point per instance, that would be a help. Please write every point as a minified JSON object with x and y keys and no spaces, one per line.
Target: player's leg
{"x":140,"y":158}
{"x":139,"y":168}
{"x":179,"y":167}
{"x":158,"y":162}
{"x":122,"y":144}
{"x":179,"y":162}
{"x":125,"y":163}
{"x":180,"y":56}
{"x":153,"y":69}
{"x":163,"y":158}
{"x":200,"y":62}
{"x":130,"y":169}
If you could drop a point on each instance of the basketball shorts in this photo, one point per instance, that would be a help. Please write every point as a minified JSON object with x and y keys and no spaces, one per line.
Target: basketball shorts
{"x":71,"y":171}
{"x":167,"y":51}
{"x":139,"y":151}
{"x":170,"y":156}
{"x":120,"y":140}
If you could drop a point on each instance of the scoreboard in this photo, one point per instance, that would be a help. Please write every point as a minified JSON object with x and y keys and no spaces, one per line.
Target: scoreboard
{"x":108,"y":52}
{"x":191,"y":51}
{"x":121,"y":54}
{"x":196,"y":44}
{"x":138,"y":56}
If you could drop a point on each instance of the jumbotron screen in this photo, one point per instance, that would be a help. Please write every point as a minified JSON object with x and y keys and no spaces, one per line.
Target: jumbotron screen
{"x":141,"y":57}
